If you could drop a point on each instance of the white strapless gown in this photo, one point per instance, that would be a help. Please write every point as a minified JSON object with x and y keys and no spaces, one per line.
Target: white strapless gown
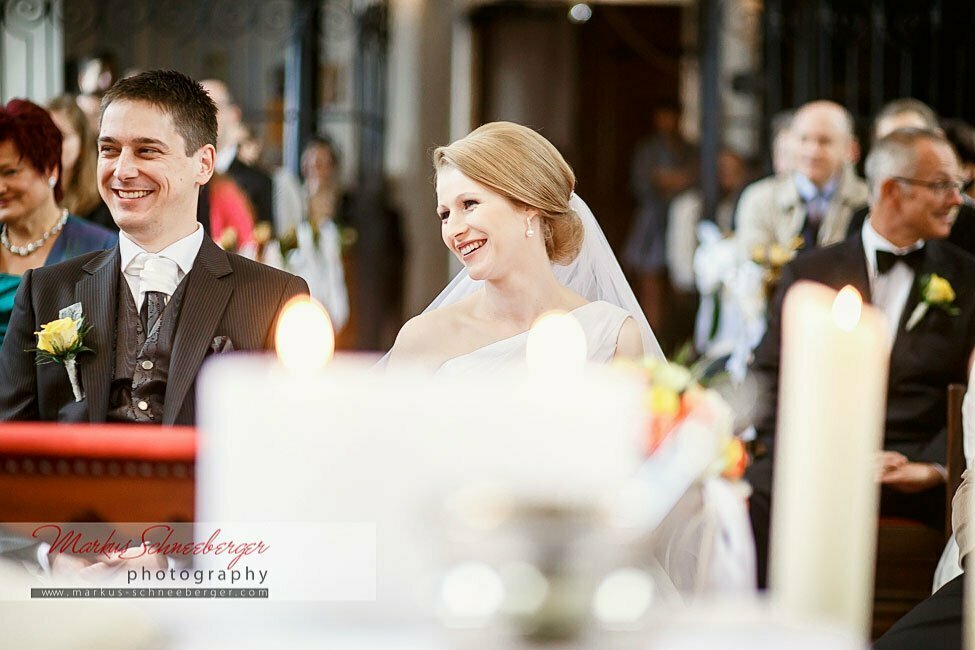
{"x":601,"y":322}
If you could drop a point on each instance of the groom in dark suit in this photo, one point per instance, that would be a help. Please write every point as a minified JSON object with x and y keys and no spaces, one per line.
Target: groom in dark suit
{"x":165,"y":297}
{"x":913,"y":177}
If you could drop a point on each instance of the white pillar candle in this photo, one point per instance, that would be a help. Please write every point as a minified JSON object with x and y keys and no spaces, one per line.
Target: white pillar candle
{"x":833,"y":384}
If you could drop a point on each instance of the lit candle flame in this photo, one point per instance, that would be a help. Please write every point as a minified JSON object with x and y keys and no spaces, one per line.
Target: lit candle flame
{"x":846,"y":308}
{"x":556,"y":342}
{"x":304,"y":338}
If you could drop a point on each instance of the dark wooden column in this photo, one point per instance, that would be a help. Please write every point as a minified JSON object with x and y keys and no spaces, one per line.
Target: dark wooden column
{"x":300,"y":81}
{"x":711,"y":23}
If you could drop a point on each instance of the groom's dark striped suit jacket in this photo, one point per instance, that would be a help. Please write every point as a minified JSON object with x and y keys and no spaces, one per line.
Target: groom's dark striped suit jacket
{"x":226,"y":295}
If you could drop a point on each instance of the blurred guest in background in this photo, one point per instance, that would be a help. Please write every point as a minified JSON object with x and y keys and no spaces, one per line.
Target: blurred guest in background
{"x":96,"y":74}
{"x":961,"y":135}
{"x":663,"y":167}
{"x":817,"y":200}
{"x":319,"y":257}
{"x":906,"y":113}
{"x":34,"y":231}
{"x":252,"y":180}
{"x":289,"y":204}
{"x":783,"y":144}
{"x":79,"y":159}
{"x":231,"y":216}
{"x":323,"y":189}
{"x":685,"y":214}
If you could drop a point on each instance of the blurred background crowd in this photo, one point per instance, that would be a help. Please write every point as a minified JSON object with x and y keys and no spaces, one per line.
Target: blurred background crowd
{"x":673,"y":114}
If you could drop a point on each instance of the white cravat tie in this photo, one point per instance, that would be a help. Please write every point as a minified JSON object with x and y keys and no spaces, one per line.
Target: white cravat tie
{"x":156,"y":273}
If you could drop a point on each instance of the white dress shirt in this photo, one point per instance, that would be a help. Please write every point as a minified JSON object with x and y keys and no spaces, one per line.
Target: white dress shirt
{"x":891,"y":290}
{"x":183,"y":252}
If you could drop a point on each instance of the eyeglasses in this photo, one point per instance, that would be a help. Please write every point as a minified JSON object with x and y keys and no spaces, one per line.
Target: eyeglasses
{"x":941,"y":187}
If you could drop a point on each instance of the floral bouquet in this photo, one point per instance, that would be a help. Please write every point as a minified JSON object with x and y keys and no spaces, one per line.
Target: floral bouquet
{"x":688,"y":498}
{"x":675,"y":398}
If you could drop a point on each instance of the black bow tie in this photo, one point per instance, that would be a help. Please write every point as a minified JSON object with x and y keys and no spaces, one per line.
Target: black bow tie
{"x":886,"y":260}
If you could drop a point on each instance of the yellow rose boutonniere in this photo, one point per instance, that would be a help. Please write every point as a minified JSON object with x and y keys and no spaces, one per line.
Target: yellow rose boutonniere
{"x":61,"y":341}
{"x":935,"y":292}
{"x":58,"y":335}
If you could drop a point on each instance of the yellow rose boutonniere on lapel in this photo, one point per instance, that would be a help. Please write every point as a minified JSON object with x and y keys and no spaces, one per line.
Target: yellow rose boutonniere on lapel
{"x":61,"y":341}
{"x":935,"y":292}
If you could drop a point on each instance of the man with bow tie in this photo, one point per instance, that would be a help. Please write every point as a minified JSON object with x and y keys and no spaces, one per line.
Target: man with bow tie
{"x":913,"y":175}
{"x":160,"y":301}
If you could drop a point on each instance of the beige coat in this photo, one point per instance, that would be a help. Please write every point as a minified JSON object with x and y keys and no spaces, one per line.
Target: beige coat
{"x":771,"y":210}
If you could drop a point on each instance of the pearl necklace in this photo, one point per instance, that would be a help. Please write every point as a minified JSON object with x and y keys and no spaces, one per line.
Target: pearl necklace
{"x":24,"y":251}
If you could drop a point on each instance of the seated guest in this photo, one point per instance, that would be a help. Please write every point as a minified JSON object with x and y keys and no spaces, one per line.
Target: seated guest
{"x":254,"y":182}
{"x":961,"y":135}
{"x":911,"y":113}
{"x":164,"y":297}
{"x":906,"y":113}
{"x":913,"y":190}
{"x":814,"y":202}
{"x":937,"y":621}
{"x":231,"y":215}
{"x":35,"y":232}
{"x":783,"y":146}
{"x":79,"y":158}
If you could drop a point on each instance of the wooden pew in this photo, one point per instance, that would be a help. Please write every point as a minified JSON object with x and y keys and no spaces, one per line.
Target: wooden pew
{"x":106,"y":473}
{"x":907,"y":551}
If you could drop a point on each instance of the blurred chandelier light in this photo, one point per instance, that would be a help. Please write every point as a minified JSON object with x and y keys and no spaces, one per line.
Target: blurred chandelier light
{"x":580,"y":12}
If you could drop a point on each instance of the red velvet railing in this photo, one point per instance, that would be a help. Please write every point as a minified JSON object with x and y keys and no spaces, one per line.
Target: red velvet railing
{"x":118,"y":473}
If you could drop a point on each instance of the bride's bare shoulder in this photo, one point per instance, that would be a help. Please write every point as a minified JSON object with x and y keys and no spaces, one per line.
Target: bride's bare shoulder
{"x":423,"y":335}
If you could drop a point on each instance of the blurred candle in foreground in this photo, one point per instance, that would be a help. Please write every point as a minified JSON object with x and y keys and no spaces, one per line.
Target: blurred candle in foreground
{"x":832,"y":387}
{"x":304,"y":338}
{"x":556,"y":343}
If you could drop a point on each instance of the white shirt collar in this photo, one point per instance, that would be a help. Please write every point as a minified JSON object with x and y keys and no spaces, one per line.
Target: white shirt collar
{"x":225,"y":158}
{"x":183,"y":251}
{"x":873,"y":241}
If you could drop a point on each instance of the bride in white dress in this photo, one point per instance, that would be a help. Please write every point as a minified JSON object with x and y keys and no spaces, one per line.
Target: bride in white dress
{"x":529,"y":246}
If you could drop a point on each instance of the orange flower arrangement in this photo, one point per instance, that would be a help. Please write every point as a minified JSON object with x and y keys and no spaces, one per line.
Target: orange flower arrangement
{"x":676,"y":397}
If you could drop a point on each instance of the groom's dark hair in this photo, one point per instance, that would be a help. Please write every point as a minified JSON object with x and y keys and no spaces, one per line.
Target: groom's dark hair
{"x":193,"y":112}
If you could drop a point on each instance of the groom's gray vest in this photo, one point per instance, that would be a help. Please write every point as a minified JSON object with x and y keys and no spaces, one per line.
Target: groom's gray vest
{"x":142,"y":359}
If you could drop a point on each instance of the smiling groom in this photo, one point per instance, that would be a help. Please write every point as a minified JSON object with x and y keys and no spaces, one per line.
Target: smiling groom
{"x":160,"y":301}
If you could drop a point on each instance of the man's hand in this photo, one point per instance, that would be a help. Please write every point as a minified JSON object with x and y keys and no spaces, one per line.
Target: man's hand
{"x":888,"y":461}
{"x":66,"y":565}
{"x":912,"y":477}
{"x":134,"y":558}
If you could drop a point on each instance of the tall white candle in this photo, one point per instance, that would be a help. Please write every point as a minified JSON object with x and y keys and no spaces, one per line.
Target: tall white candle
{"x":833,"y":383}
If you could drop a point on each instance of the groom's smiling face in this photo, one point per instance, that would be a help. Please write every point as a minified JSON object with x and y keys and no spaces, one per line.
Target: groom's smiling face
{"x":148,"y":180}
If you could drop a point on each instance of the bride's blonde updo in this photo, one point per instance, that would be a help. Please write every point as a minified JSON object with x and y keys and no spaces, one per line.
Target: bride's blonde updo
{"x":525,"y":168}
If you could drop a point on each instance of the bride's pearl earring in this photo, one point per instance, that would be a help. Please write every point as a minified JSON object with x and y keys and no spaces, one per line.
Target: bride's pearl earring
{"x":529,"y":232}
{"x":52,"y":181}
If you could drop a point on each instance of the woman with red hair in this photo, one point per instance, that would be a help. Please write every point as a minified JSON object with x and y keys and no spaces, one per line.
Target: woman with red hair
{"x":34,"y":231}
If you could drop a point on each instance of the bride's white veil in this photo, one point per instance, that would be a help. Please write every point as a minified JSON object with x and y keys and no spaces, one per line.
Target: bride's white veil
{"x":594,"y":274}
